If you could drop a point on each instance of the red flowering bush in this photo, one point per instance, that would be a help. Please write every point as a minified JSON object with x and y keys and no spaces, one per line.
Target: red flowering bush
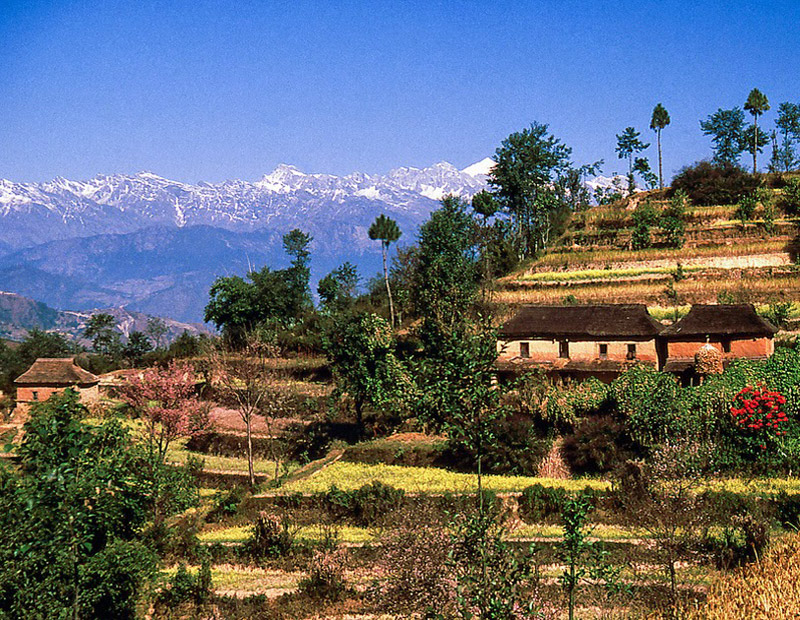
{"x":759,"y":413}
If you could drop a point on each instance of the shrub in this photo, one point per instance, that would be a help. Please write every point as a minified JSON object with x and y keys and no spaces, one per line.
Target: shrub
{"x":325,"y":578}
{"x":759,"y":416}
{"x":539,"y":503}
{"x":643,"y":218}
{"x":740,"y":542}
{"x":414,"y":557}
{"x":184,"y":587}
{"x":707,"y":183}
{"x":790,"y":201}
{"x":747,"y":207}
{"x":365,"y":506}
{"x":646,"y":399}
{"x":598,"y":445}
{"x":787,"y":510}
{"x":226,"y":504}
{"x":271,"y":537}
{"x":673,"y":220}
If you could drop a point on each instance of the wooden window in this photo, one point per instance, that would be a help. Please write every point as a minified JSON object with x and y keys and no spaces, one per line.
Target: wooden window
{"x":524,"y":349}
{"x":726,"y":346}
{"x":603,"y":351}
{"x":563,"y":349}
{"x":36,"y":396}
{"x":631,"y":351}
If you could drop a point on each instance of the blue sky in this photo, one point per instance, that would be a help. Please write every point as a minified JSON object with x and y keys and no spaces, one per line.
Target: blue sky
{"x":210,"y":90}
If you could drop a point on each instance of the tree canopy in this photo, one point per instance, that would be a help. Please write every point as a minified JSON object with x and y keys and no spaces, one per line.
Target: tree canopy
{"x":527,"y":180}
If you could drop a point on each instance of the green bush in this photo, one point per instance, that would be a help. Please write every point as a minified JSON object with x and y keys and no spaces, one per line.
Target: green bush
{"x":366,"y":505}
{"x":790,"y":201}
{"x":747,"y":207}
{"x":673,"y":220}
{"x":645,"y":398}
{"x":226,"y":504}
{"x":184,"y":587}
{"x":539,"y":503}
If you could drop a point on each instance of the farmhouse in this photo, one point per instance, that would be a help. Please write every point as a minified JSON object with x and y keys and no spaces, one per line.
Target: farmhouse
{"x":579,"y":341}
{"x":734,"y":330}
{"x":48,"y":376}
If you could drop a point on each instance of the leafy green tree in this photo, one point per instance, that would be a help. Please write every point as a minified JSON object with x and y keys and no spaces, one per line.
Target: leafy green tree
{"x":485,"y":205}
{"x":727,"y":130}
{"x":528,"y":166}
{"x":642,"y":166}
{"x":360,"y":349}
{"x":788,"y":123}
{"x":71,"y":517}
{"x":658,"y":122}
{"x":136,"y":348}
{"x":296,"y":244}
{"x":386,"y":230}
{"x":446,"y":275}
{"x":101,"y":330}
{"x":628,"y":144}
{"x":337,"y":290}
{"x":757,"y":103}
{"x":279,"y":297}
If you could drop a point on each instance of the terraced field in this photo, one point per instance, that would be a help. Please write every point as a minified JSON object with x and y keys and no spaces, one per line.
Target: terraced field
{"x":721,"y":261}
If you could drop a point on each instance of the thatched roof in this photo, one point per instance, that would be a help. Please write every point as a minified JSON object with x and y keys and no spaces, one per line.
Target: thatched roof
{"x":720,"y":320}
{"x":603,"y":321}
{"x":56,"y":371}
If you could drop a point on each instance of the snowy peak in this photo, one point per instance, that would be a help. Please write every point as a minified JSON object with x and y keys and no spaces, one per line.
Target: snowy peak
{"x":481,"y":168}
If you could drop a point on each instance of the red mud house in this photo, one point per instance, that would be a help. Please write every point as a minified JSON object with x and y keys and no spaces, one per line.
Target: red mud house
{"x":735,"y":330}
{"x":50,"y":376}
{"x":579,"y":341}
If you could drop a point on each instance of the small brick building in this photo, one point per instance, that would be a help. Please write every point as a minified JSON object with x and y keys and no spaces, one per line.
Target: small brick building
{"x":48,"y":376}
{"x":735,"y":330}
{"x":575,"y":342}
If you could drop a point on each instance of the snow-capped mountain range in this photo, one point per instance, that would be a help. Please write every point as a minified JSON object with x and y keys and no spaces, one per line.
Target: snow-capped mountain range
{"x":35,"y":212}
{"x":154,"y":245}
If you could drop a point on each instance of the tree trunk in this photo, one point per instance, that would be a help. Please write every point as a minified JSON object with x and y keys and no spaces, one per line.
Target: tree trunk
{"x":388,"y":288}
{"x":660,"y":177}
{"x":359,"y":417}
{"x":250,"y":471}
{"x":755,"y":141}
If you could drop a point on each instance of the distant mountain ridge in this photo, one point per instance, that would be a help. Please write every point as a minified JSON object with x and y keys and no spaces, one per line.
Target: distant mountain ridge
{"x":19,"y":315}
{"x":154,"y":245}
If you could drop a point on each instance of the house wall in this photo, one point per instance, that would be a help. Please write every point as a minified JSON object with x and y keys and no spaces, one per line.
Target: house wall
{"x":744,"y":347}
{"x":582,"y":350}
{"x":44,"y":392}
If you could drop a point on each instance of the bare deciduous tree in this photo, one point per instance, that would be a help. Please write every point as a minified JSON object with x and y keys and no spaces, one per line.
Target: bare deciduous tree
{"x":250,"y":381}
